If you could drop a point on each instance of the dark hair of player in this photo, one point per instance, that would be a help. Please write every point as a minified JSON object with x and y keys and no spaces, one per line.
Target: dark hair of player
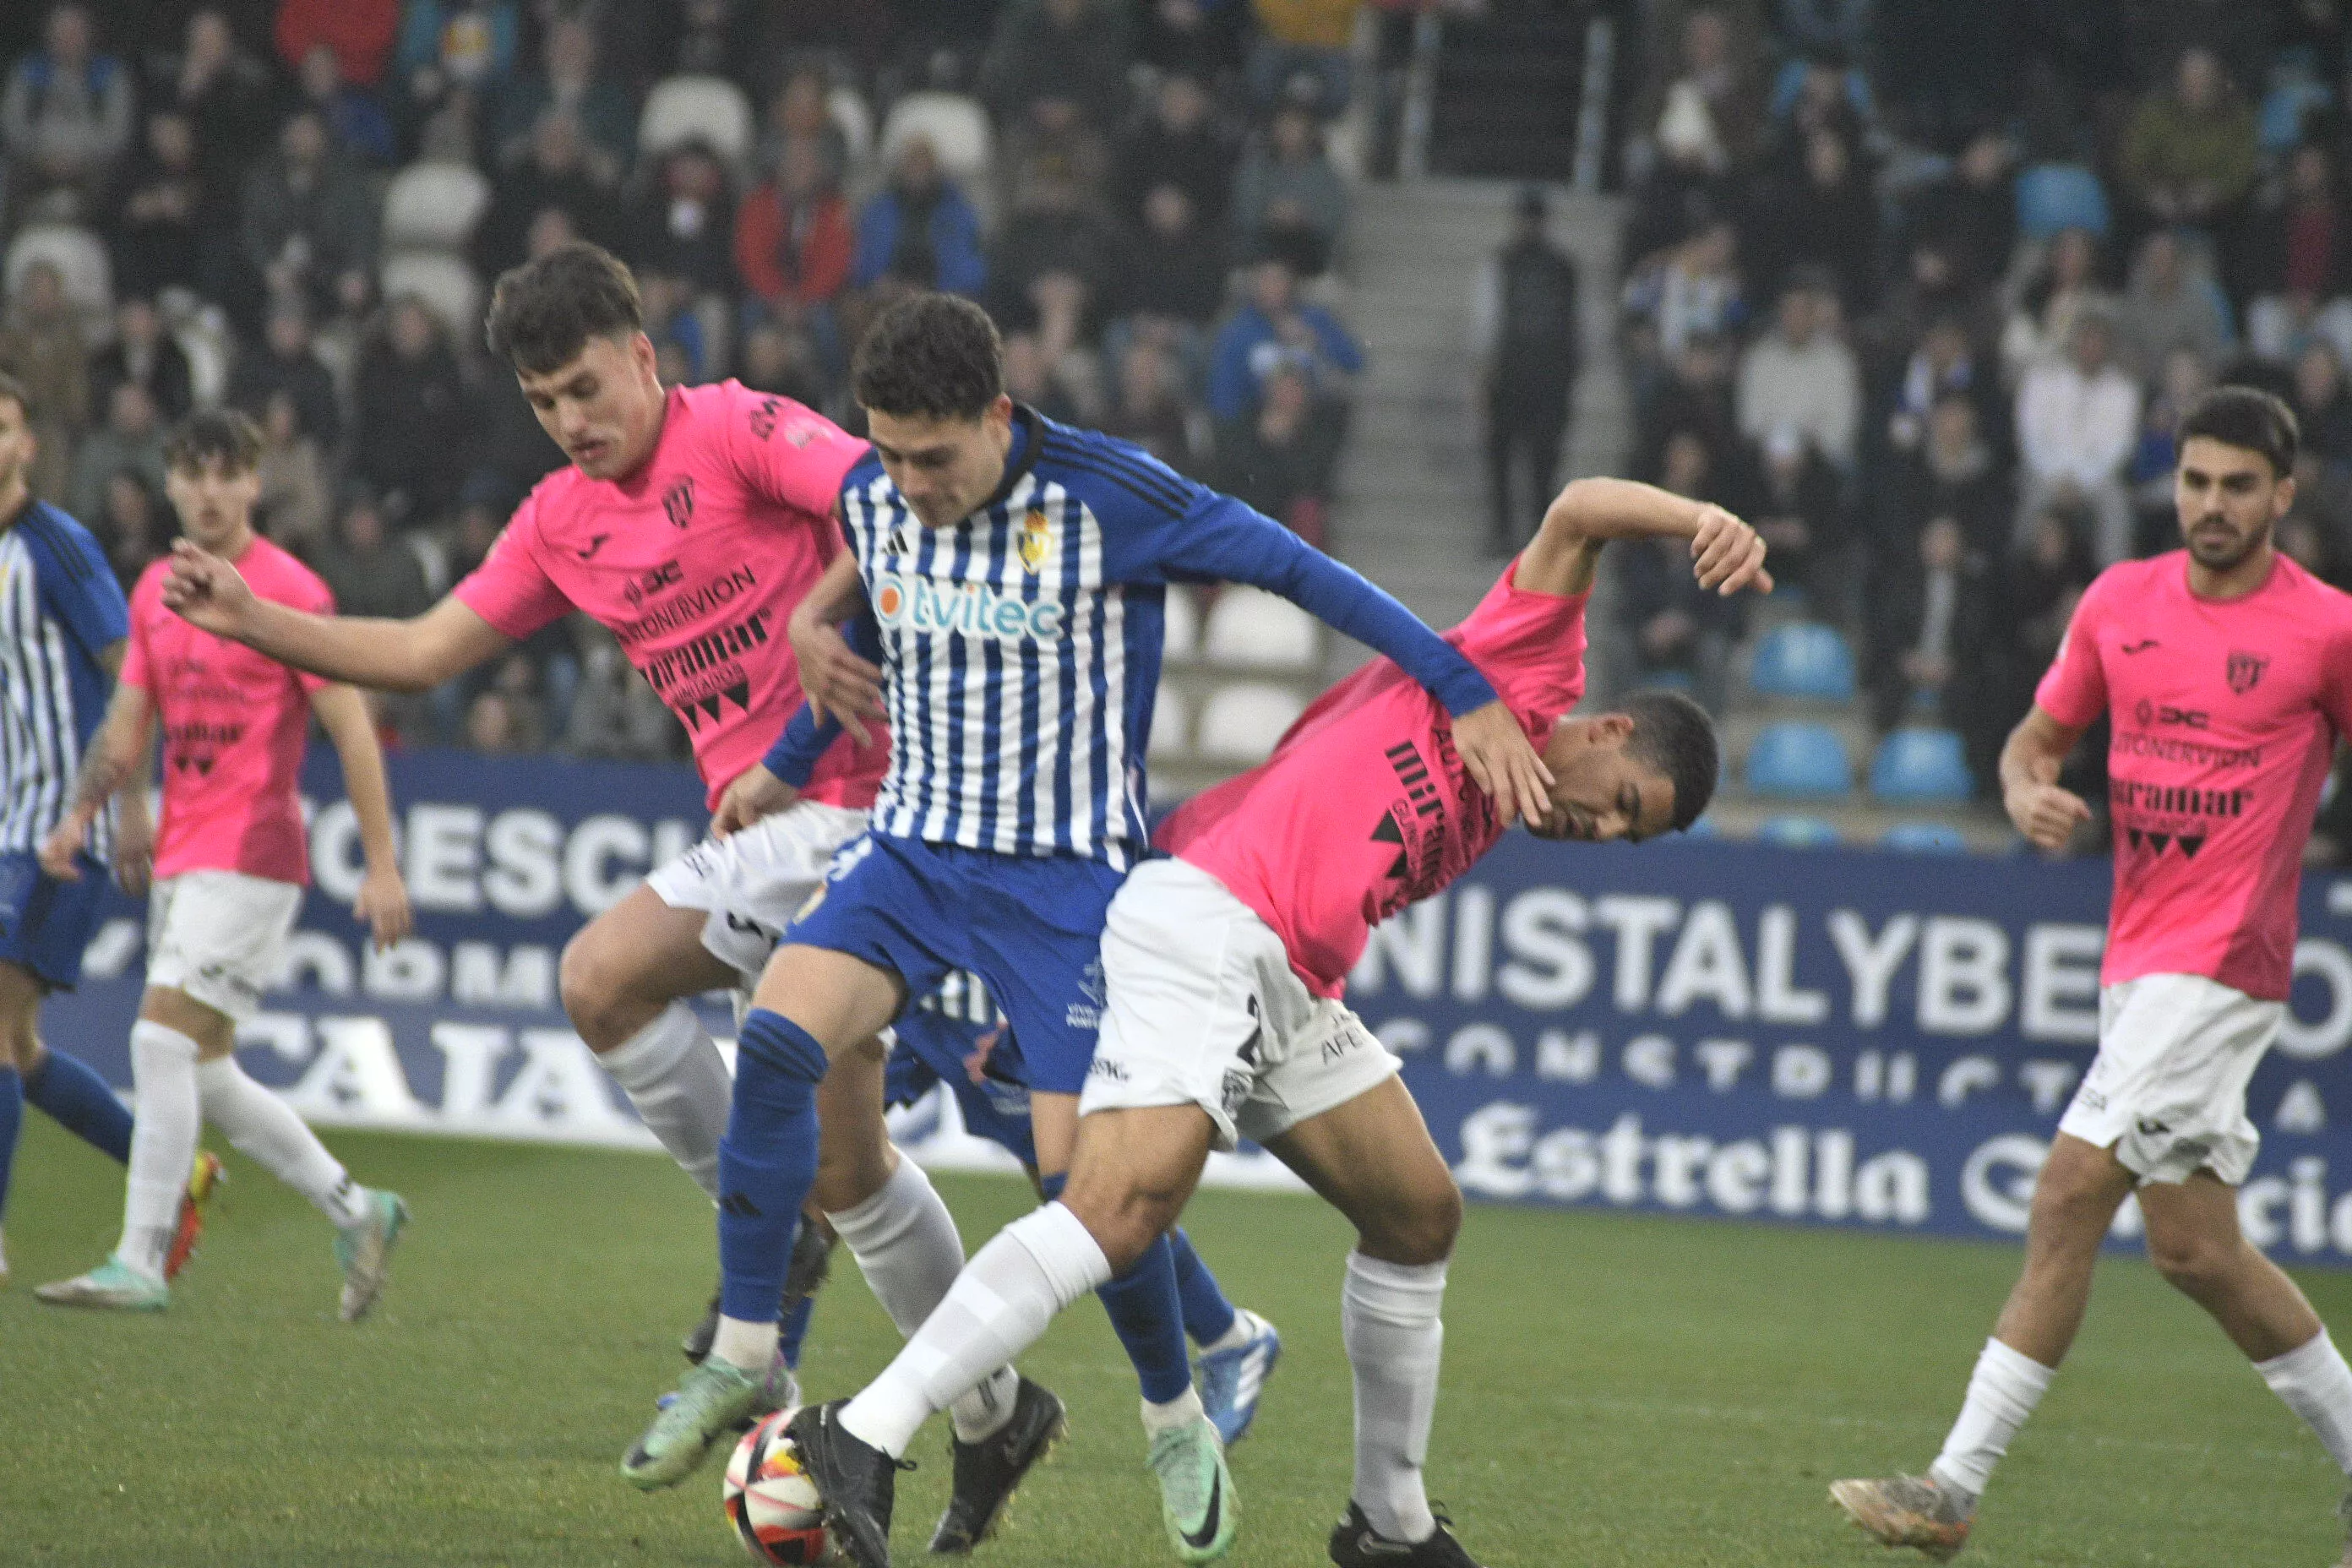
{"x":1673,"y":734}
{"x":16,"y":392}
{"x":2249,"y":418}
{"x":217,"y":435}
{"x":543,"y":312}
{"x":934,"y":356}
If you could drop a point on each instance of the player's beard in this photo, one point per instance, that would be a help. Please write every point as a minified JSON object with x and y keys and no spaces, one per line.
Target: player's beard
{"x":2221,"y":557}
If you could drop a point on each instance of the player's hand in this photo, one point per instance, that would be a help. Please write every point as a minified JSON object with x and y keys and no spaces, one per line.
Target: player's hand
{"x":1496,"y":750}
{"x":839,"y":684}
{"x":756,"y":793}
{"x":1727,"y":555}
{"x":382,"y":906}
{"x":65,"y":842}
{"x":206,"y":590}
{"x":134,"y":843}
{"x":2046,"y":815}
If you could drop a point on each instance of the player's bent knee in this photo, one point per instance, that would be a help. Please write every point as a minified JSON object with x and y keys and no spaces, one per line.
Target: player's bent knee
{"x":1420,"y":1228}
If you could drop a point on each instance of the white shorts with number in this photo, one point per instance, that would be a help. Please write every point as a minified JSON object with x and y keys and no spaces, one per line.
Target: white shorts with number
{"x":1203,"y":1009}
{"x":219,"y":937}
{"x":2167,"y":1090}
{"x":751,"y":883}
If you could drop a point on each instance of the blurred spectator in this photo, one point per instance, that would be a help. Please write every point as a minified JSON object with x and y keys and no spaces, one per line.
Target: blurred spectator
{"x":555,"y":174}
{"x":1199,"y":38}
{"x":2323,"y":405}
{"x":1953,"y":473}
{"x":614,"y":713}
{"x":42,"y":344}
{"x":65,"y":117}
{"x":783,"y":360}
{"x":1145,"y":408}
{"x":169,"y":216}
{"x":356,"y":123}
{"x":498,"y":725}
{"x":702,"y":37}
{"x":1687,"y":188}
{"x":2051,"y":287}
{"x":2188,"y":155}
{"x":1057,"y":50}
{"x":2299,"y":258}
{"x":1802,"y":376}
{"x":1695,"y":289}
{"x":294,"y":501}
{"x":1969,"y":218}
{"x":132,"y":438}
{"x":2039,"y":590}
{"x":567,"y":83}
{"x":144,"y":354}
{"x":288,"y":363}
{"x":2181,"y":379}
{"x":1182,"y":143}
{"x":129,"y":526}
{"x":1710,"y":105}
{"x":1052,"y":265}
{"x":408,"y":421}
{"x":369,"y":571}
{"x":1794,"y":503}
{"x":1820,"y":92}
{"x":2172,"y":303}
{"x":1273,"y":328}
{"x":2077,"y":422}
{"x":483,"y":506}
{"x":454,"y":46}
{"x":685,"y":225}
{"x":1931,"y":638}
{"x":1945,"y":363}
{"x":1053,"y":143}
{"x":1526,"y":327}
{"x":1035,"y":376}
{"x":1280,"y":459}
{"x":673,"y":324}
{"x":793,"y":236}
{"x":1174,"y":272}
{"x":309,"y":221}
{"x":1822,"y":217}
{"x":1302,"y":52}
{"x":803,"y":112}
{"x":1677,"y":630}
{"x":919,"y":231}
{"x":1835,"y":27}
{"x":1287,"y":197}
{"x":1696,"y":395}
{"x":225,"y":92}
{"x":361,"y":32}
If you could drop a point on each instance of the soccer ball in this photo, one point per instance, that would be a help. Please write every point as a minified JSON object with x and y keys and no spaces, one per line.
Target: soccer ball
{"x":770,"y":1499}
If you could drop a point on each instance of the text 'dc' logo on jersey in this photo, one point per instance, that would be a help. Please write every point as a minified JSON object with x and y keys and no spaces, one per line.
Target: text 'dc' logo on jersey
{"x":974,"y":609}
{"x":1036,"y":540}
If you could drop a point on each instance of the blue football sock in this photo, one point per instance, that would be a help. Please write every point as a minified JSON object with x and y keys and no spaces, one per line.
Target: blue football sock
{"x":12,"y":1116}
{"x":767,"y":1160}
{"x":1208,"y":1316}
{"x":1146,"y":1314}
{"x":71,"y":1091}
{"x":792,"y":1329}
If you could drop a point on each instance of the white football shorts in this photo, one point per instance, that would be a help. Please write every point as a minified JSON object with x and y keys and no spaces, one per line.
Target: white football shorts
{"x":219,"y":937}
{"x":753,"y":883}
{"x":2167,"y":1090}
{"x":1203,"y":1009}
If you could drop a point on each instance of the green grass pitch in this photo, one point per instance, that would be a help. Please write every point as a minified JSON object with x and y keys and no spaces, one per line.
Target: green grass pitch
{"x":1620,"y":1392}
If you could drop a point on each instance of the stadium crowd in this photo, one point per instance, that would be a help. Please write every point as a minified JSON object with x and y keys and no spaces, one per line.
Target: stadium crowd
{"x":1920,"y":289}
{"x":295,"y":208}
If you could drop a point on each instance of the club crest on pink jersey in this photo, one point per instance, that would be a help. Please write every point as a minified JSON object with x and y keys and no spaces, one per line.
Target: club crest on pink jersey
{"x":2245,"y":670}
{"x":678,"y":500}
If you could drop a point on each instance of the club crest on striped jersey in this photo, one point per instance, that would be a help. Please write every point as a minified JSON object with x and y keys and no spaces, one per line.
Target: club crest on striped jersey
{"x":1037,"y":540}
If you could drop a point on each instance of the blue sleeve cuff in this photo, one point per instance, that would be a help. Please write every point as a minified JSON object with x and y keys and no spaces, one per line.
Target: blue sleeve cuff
{"x":801,"y":747}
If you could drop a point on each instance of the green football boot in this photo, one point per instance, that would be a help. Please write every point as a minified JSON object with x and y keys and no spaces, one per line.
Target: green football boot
{"x":112,"y":1285}
{"x":1196,"y":1490}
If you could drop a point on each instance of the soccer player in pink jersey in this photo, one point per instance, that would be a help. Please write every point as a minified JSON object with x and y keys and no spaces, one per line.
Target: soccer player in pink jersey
{"x":1225,"y":966}
{"x":2225,"y":672}
{"x":230,"y":862}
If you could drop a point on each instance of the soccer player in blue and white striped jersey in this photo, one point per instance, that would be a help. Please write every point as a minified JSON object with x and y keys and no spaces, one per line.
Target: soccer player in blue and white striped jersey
{"x":1016,"y":569}
{"x":63,"y":627}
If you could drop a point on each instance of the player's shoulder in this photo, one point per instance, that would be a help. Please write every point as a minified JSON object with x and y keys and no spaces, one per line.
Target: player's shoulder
{"x":59,"y":534}
{"x":1113,"y":477}
{"x":2127,"y":582}
{"x":277,"y":572}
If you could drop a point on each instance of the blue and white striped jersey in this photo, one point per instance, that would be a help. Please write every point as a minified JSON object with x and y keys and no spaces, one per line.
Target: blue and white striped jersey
{"x":1021,"y":648}
{"x":60,"y":608}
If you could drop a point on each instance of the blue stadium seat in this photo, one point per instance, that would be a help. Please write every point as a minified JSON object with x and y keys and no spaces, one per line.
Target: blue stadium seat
{"x":2054,"y":197}
{"x":1796,"y":833}
{"x":1799,"y":759}
{"x":1926,"y":838}
{"x":1920,"y":764}
{"x":1803,"y":658}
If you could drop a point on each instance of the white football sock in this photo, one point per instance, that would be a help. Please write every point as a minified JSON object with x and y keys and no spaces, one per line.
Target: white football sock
{"x":999,"y":1306}
{"x":750,"y":1347}
{"x":264,"y":1126}
{"x":672,"y":1072}
{"x":162,"y":1144}
{"x":2316,"y":1384}
{"x":1388,"y":1319}
{"x":1181,"y":1411}
{"x":1246,"y":1324}
{"x":906,"y":1246}
{"x":2003,"y":1391}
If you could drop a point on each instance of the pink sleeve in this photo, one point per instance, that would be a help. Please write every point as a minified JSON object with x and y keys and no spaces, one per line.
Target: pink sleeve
{"x":2336,"y":689}
{"x":786,"y":452}
{"x":1531,"y":645}
{"x":2075,"y":692}
{"x":135,"y":648}
{"x":509,"y":589}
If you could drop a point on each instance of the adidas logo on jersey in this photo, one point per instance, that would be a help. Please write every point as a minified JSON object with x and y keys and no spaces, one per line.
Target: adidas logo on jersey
{"x":974,"y":609}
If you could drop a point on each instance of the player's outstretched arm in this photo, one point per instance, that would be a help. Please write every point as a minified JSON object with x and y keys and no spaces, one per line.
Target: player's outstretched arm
{"x":414,"y":654}
{"x":382,"y":902}
{"x":113,"y":768}
{"x":2036,"y":749}
{"x":1727,"y":555}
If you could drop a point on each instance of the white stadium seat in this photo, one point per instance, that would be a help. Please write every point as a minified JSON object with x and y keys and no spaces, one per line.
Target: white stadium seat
{"x":1182,"y":640}
{"x":847,"y":107}
{"x":79,"y":258}
{"x":446,"y":285}
{"x":957,"y":128}
{"x":1253,"y":629}
{"x":683,"y":108}
{"x":1171,"y":716}
{"x":434,"y":207}
{"x":1241,"y":723}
